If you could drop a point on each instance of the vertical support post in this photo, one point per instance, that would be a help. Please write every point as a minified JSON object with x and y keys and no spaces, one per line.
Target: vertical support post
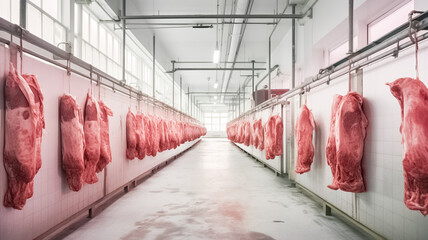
{"x":23,"y":13}
{"x":173,"y":82}
{"x":351,"y":27}
{"x":123,"y":40}
{"x":70,"y":33}
{"x":243,"y":93}
{"x":188,"y":100}
{"x":154,"y":66}
{"x":252,"y":81}
{"x":239,"y":100}
{"x":327,"y":210}
{"x":293,"y":50}
{"x":270,"y":63}
{"x":181,"y":94}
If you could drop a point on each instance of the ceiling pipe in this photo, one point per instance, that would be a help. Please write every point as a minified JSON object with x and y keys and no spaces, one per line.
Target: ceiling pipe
{"x":191,"y":24}
{"x":249,"y":62}
{"x":237,"y":46}
{"x":216,"y":69}
{"x":351,"y":27}
{"x":215,"y":16}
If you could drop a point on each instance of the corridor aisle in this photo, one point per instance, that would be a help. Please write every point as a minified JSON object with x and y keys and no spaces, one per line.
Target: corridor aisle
{"x":214,"y":191}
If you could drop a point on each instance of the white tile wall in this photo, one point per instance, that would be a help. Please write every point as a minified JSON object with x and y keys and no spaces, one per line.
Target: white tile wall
{"x":52,"y":201}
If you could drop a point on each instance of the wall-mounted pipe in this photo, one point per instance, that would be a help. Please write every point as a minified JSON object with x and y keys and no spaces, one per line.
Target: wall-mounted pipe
{"x":351,"y":27}
{"x":154,"y":65}
{"x":173,"y":84}
{"x":293,"y":49}
{"x":123,"y":41}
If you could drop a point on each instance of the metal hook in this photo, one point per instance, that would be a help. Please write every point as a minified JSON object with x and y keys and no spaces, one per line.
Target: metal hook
{"x":412,"y":24}
{"x":396,"y":50}
{"x":329,"y":79}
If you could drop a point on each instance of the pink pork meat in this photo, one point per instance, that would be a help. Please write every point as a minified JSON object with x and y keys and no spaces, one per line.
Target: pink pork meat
{"x":305,"y":149}
{"x":72,"y":141}
{"x":331,"y":142}
{"x":141,"y":138}
{"x":131,"y":136}
{"x":105,"y":150}
{"x":20,"y":154}
{"x":412,"y":95}
{"x":92,"y":139}
{"x":279,"y":131}
{"x":350,"y":132}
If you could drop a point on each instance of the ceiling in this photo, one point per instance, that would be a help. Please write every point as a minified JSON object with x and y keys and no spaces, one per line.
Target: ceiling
{"x":184,"y":43}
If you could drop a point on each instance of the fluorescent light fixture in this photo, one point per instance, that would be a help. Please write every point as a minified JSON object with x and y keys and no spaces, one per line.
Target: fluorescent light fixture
{"x":215,"y":85}
{"x":215,"y":97}
{"x":216,"y":56}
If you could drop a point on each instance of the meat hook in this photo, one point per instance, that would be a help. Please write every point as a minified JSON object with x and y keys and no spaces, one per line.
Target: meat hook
{"x":412,"y":24}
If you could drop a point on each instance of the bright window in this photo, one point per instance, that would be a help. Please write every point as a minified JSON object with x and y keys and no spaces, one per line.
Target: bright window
{"x":341,"y":51}
{"x":390,"y":21}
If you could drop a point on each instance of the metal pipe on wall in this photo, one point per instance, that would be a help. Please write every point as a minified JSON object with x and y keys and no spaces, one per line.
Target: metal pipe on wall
{"x":351,"y":27}
{"x":270,"y":62}
{"x":252,"y":81}
{"x":23,"y":13}
{"x":173,"y":84}
{"x":123,"y":41}
{"x":244,"y":98}
{"x":188,"y":100}
{"x":239,"y":100}
{"x":154,"y":66}
{"x":293,"y":49}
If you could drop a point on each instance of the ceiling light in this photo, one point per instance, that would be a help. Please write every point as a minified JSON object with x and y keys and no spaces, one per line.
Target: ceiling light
{"x":215,"y":97}
{"x":216,"y":56}
{"x":215,"y":85}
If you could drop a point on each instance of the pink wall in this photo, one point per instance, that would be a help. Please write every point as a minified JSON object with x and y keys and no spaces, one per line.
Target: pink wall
{"x":52,"y":201}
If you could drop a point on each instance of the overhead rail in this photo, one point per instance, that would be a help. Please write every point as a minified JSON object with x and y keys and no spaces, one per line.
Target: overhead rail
{"x":184,"y":62}
{"x":213,"y":16}
{"x":115,"y":84}
{"x":215,"y":93}
{"x":215,"y":69}
{"x":357,"y":60}
{"x":191,"y":24}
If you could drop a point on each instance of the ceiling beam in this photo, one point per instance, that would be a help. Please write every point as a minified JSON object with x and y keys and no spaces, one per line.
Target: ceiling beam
{"x":215,"y":93}
{"x":215,"y":69}
{"x":215,"y":16}
{"x":249,"y":62}
{"x":191,"y":24}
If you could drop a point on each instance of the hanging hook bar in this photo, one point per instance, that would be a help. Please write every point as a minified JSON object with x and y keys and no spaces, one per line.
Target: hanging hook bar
{"x":412,"y":24}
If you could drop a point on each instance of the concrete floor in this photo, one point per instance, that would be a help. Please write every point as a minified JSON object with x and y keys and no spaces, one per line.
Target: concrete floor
{"x":214,"y":191}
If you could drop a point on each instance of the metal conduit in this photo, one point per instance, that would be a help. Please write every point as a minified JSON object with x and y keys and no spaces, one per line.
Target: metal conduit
{"x":214,"y":16}
{"x":342,"y":65}
{"x":117,"y":85}
{"x":216,"y":69}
